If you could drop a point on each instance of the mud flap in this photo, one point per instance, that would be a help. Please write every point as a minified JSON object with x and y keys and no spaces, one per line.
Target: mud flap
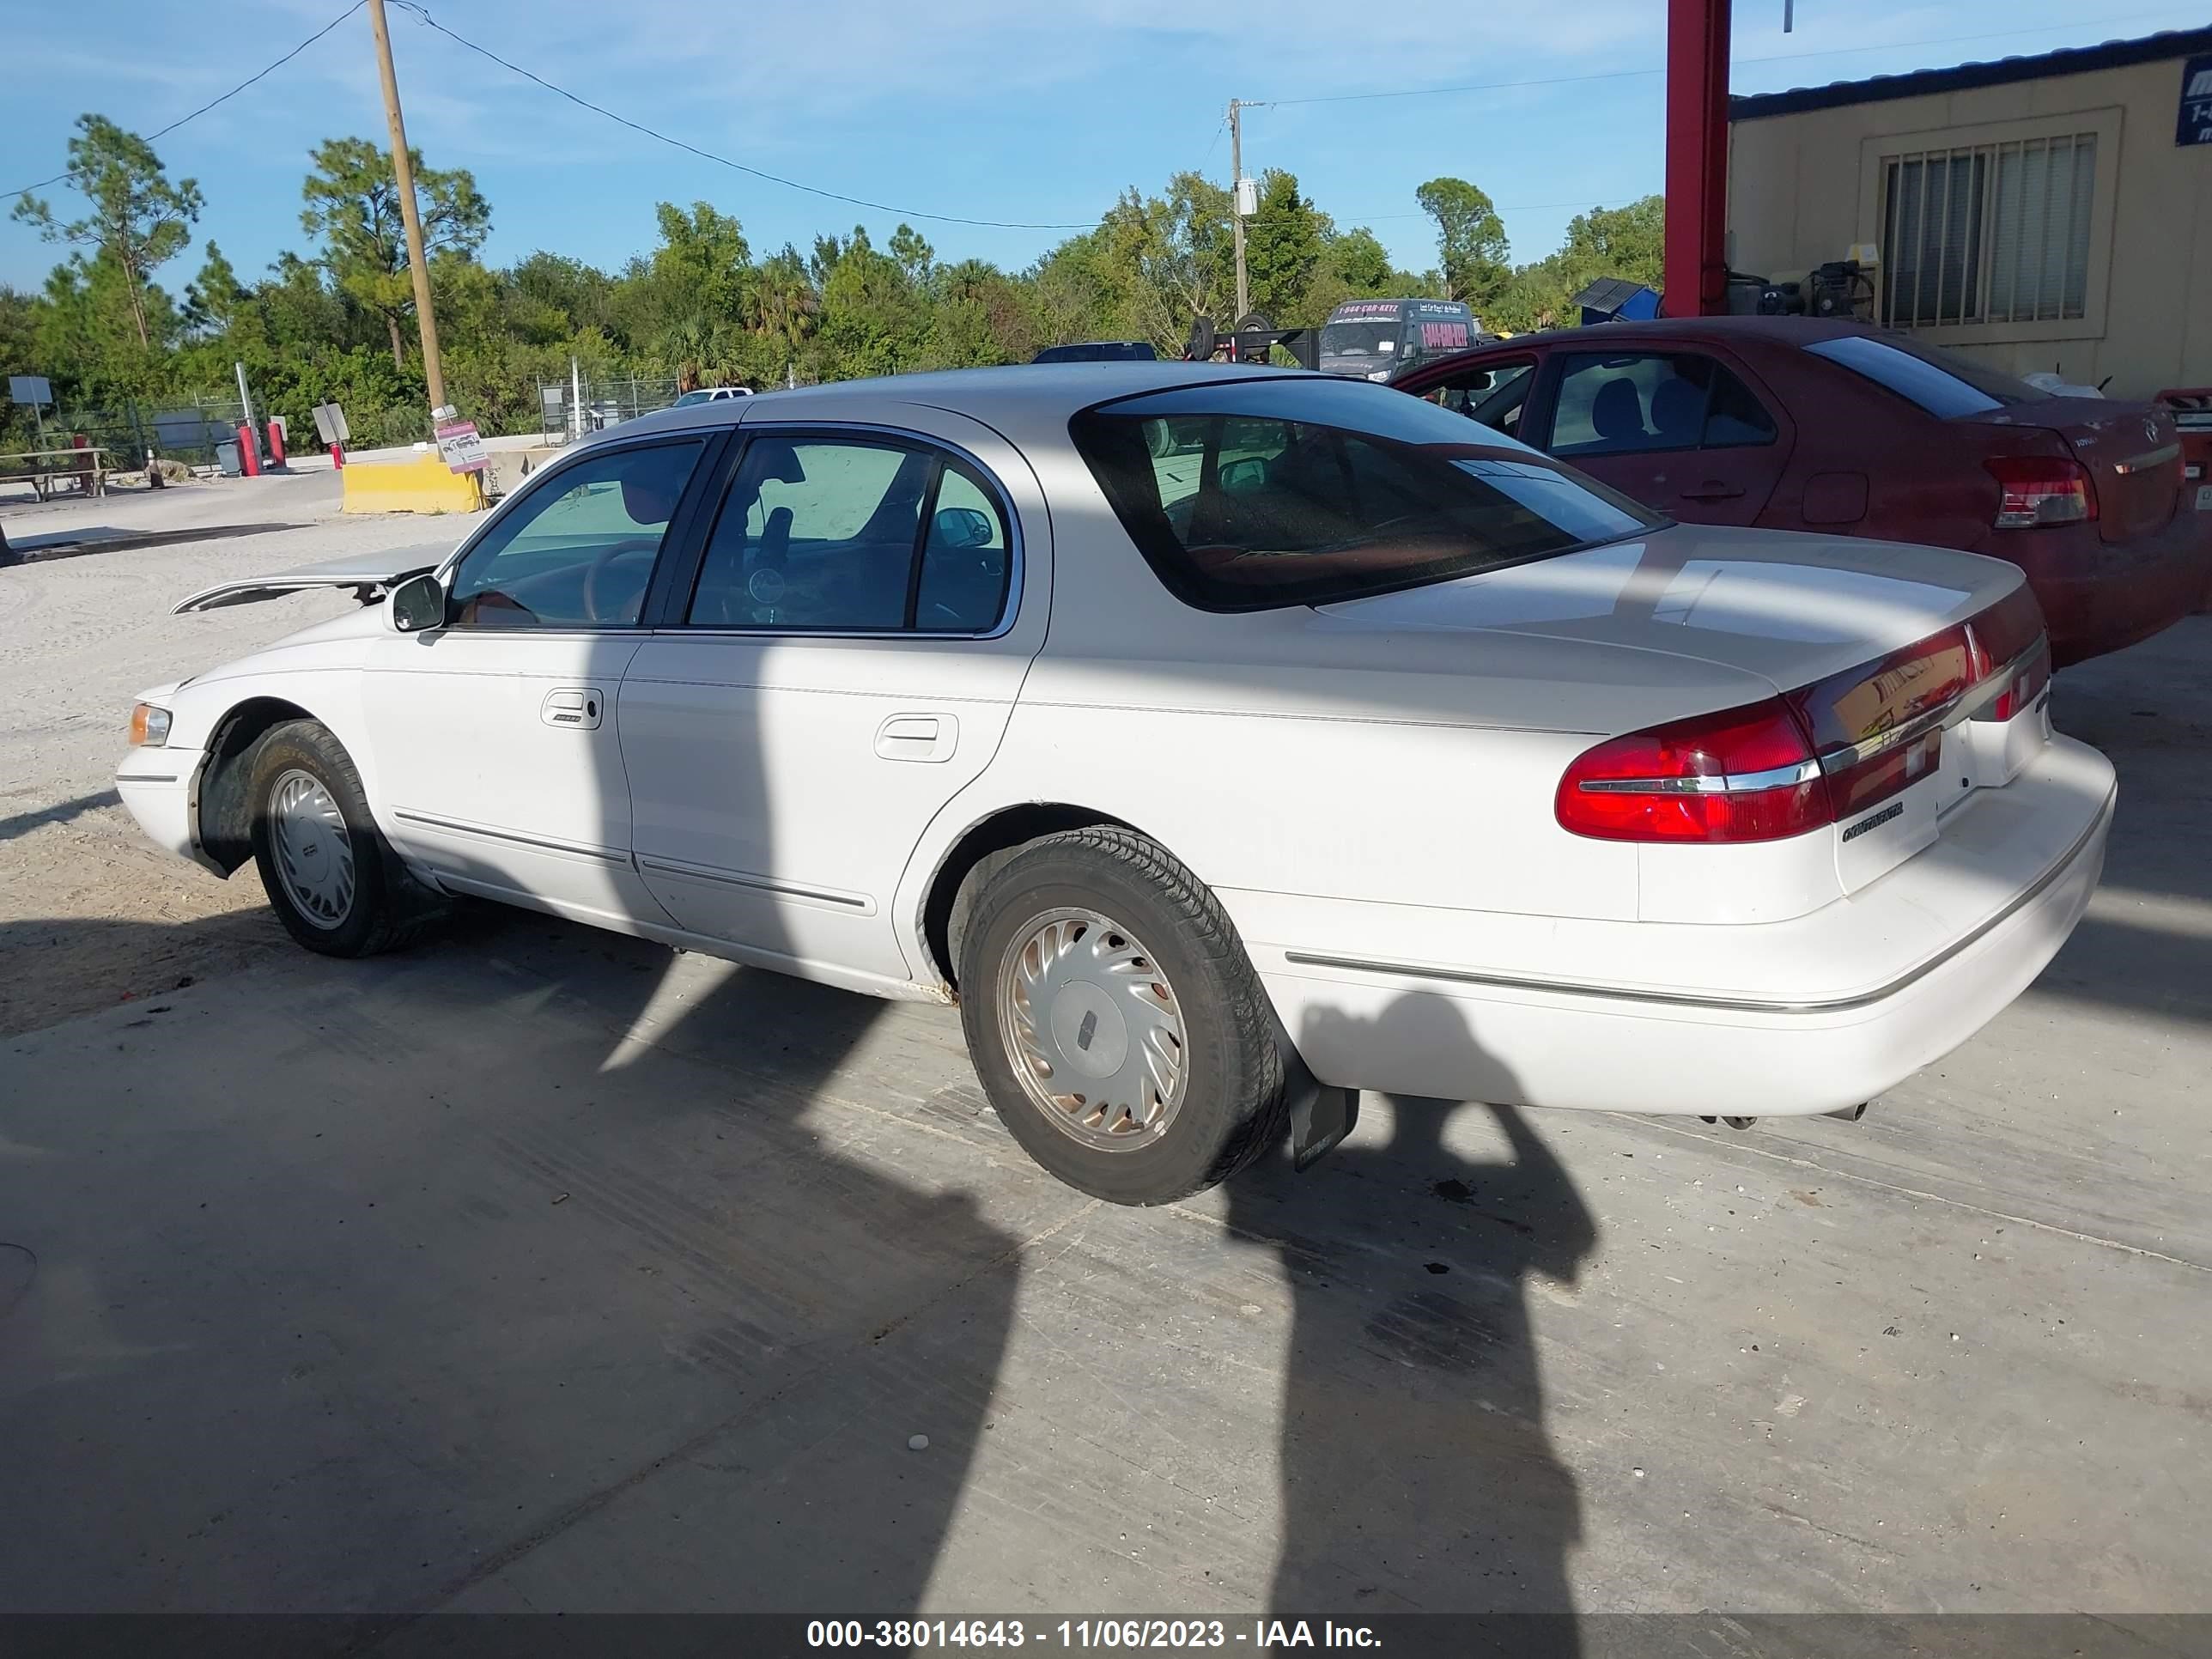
{"x":1321,"y":1117}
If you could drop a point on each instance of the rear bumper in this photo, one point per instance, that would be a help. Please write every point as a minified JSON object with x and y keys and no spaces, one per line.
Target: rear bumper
{"x":1464,"y":1035}
{"x":2099,"y":596}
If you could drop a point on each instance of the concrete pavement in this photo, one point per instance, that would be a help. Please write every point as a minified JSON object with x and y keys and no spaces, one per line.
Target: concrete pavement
{"x":539,"y":1269}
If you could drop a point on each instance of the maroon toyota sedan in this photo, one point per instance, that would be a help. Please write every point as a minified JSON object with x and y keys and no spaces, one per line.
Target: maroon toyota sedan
{"x":1795,"y":423}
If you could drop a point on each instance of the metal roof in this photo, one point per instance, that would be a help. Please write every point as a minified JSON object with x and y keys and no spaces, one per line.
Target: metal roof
{"x":2072,"y":60}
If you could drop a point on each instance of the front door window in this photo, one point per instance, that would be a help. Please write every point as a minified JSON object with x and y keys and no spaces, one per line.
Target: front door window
{"x":577,"y":551}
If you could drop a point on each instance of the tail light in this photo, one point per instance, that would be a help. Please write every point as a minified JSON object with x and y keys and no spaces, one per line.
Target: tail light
{"x":1743,"y":774}
{"x":1822,"y":755}
{"x":2038,"y":491}
{"x":1867,"y":722}
{"x":2000,"y":638}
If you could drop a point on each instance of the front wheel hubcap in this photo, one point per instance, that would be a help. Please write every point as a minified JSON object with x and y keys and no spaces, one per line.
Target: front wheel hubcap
{"x":1093,"y":1028}
{"x":312,"y":848}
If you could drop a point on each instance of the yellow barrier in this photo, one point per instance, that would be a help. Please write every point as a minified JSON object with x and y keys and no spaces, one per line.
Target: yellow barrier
{"x":422,"y":485}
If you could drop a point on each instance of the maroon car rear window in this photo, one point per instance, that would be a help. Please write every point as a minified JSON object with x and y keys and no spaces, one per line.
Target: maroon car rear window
{"x":1246,"y":495}
{"x":1940,"y":382}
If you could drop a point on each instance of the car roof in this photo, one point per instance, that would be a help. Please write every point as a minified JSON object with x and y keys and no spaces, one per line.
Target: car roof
{"x":1019,"y":395}
{"x":1778,"y":330}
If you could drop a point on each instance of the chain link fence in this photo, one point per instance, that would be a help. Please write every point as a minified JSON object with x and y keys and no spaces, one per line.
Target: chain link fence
{"x":606,"y":400}
{"x":186,"y":431}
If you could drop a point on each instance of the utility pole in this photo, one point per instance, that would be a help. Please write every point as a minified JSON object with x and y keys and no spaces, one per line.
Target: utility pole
{"x":403,"y":172}
{"x":1236,"y":202}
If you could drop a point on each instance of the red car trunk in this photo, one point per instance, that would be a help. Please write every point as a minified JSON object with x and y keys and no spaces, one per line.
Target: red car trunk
{"x":1837,"y":427}
{"x":2131,"y":452}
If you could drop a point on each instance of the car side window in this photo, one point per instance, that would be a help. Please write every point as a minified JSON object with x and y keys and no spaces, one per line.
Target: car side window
{"x":965,"y":567}
{"x":578,"y":551}
{"x":1621,"y":404}
{"x":1733,"y":415}
{"x":1495,"y":396}
{"x":852,"y":534}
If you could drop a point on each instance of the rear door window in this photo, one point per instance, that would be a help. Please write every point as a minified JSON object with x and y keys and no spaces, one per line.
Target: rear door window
{"x":1251,"y":494}
{"x":1625,"y":404}
{"x":852,"y":536}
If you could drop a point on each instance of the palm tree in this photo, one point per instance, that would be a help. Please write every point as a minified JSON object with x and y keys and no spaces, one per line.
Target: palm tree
{"x":788,"y":306}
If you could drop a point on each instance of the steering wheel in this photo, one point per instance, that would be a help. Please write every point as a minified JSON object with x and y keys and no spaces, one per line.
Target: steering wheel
{"x":595,"y":575}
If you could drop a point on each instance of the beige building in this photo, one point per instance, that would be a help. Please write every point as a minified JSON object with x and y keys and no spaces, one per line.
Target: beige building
{"x":2051,"y":212}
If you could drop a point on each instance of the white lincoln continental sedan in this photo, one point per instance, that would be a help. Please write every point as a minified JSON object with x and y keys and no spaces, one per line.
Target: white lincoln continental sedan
{"x":1225,"y":742}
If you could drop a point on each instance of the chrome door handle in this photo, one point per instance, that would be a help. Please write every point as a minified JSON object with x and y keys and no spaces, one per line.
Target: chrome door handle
{"x":924,"y":737}
{"x":578,"y":707}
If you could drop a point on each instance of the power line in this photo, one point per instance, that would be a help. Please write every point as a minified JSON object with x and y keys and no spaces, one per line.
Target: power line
{"x":1220,"y":127}
{"x":164,"y":131}
{"x":724,"y":161}
{"x":1623,"y":74}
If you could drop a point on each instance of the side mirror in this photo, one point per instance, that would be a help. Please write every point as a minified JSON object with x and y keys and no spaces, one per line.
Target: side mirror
{"x":963,"y":526}
{"x":417,"y":604}
{"x":1245,"y":477}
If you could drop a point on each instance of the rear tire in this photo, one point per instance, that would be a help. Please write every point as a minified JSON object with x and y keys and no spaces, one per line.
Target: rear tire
{"x":1114,"y":1021}
{"x":331,"y":877}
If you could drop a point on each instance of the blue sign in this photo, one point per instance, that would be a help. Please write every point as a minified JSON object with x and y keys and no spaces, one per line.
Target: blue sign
{"x":2195,"y":125}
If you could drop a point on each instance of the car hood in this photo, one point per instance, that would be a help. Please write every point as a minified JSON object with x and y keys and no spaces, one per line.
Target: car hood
{"x":371,"y":574}
{"x":1789,"y":609}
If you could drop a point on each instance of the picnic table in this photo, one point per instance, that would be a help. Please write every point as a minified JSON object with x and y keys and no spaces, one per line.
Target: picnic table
{"x":87,"y":466}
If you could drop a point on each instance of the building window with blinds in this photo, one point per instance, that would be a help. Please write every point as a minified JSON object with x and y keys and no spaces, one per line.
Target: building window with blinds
{"x":1994,"y":233}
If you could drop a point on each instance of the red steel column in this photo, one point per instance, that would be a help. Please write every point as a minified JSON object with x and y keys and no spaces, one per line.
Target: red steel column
{"x":1697,"y":157}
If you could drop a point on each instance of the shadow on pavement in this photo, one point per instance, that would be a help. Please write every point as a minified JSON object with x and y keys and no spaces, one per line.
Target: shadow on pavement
{"x":1417,"y":1472}
{"x":378,"y":1295}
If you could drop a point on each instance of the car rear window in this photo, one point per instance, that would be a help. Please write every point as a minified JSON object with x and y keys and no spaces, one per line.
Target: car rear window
{"x":1301,"y":491}
{"x":1940,"y":382}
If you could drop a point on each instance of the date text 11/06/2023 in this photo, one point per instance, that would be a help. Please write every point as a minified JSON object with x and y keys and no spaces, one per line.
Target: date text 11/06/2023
{"x":1257,"y":1635}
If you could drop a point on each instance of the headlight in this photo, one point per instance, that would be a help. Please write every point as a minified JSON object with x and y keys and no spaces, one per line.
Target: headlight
{"x":1380,"y":374}
{"x":149,"y":726}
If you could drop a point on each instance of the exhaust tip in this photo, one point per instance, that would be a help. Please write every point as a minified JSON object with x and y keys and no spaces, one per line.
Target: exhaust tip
{"x":1850,"y":1114}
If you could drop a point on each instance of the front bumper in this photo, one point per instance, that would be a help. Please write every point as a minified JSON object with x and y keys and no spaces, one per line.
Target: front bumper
{"x":161,"y":788}
{"x":2026,"y":862}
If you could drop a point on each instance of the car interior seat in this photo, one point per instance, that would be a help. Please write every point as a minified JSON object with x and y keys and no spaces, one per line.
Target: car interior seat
{"x":1617,"y":413}
{"x":774,"y":550}
{"x":1678,"y":410}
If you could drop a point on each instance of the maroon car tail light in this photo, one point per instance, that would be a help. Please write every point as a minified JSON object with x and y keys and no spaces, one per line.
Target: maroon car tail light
{"x":1819,"y":755}
{"x":2036,"y":490}
{"x":1743,"y":774}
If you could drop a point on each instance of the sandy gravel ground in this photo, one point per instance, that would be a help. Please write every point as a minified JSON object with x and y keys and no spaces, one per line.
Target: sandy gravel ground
{"x":79,"y":637}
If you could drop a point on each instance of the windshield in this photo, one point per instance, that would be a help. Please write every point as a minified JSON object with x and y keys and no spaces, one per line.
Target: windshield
{"x":1254,"y":495}
{"x":691,"y":397}
{"x":1359,"y":339}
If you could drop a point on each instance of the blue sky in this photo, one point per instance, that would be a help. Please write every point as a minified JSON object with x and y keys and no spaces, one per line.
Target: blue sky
{"x":1013,"y":110}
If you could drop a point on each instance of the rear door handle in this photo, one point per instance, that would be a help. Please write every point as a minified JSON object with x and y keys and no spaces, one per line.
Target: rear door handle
{"x":926,"y":738}
{"x":1712,"y":490}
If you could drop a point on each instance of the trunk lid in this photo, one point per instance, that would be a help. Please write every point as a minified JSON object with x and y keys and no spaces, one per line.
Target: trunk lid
{"x":1886,"y":656}
{"x":371,"y":576}
{"x":1792,"y":610}
{"x":2132,"y":451}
